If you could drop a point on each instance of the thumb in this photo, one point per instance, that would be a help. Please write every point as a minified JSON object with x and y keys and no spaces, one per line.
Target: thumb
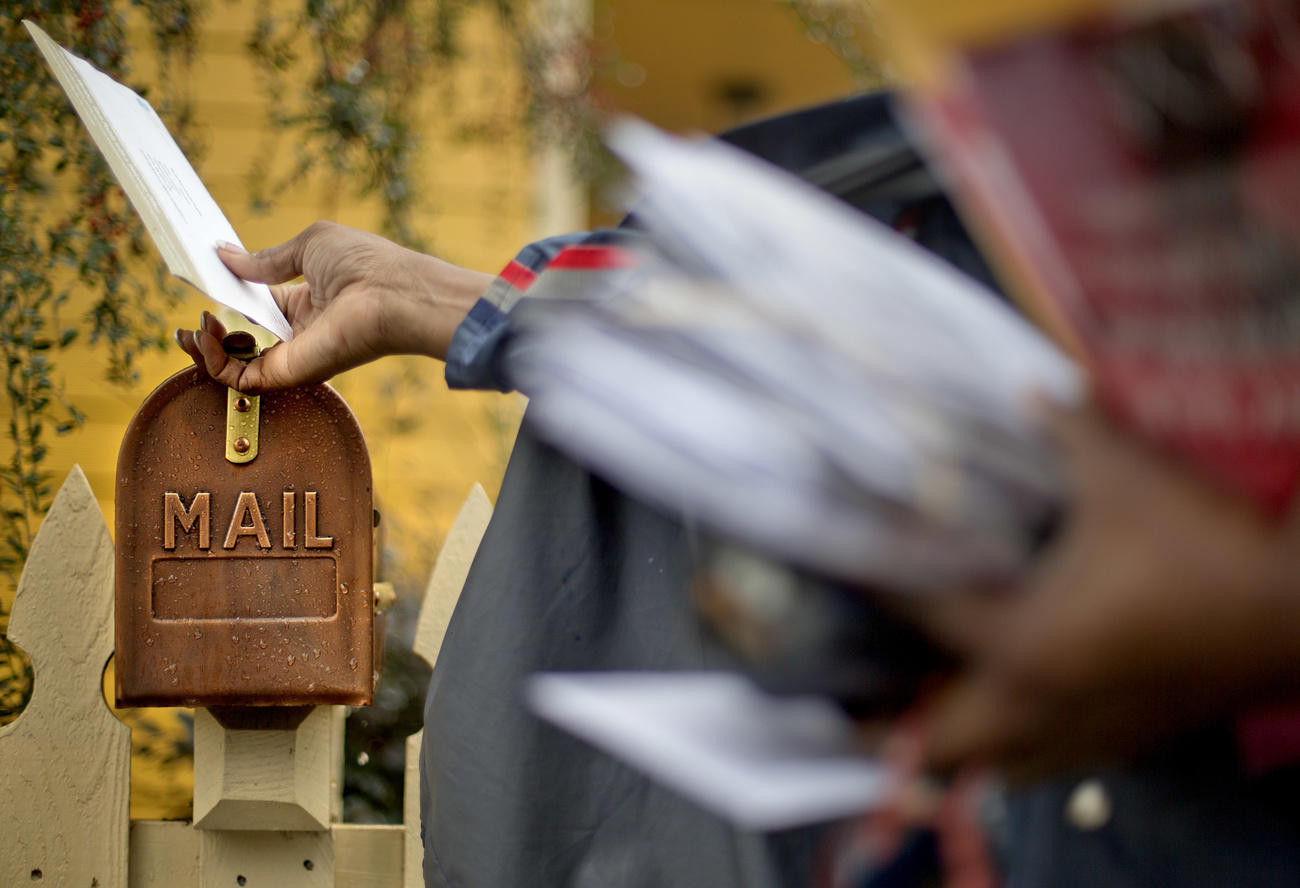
{"x":306,"y":358}
{"x":274,"y":265}
{"x":973,"y":721}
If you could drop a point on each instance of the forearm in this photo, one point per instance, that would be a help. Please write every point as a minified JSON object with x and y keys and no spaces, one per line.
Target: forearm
{"x":427,"y":324}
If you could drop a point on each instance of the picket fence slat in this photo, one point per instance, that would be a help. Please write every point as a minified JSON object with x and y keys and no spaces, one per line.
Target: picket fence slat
{"x":65,"y":762}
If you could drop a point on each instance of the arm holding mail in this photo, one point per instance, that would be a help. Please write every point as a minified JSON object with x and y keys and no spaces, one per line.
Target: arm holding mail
{"x":361,"y":297}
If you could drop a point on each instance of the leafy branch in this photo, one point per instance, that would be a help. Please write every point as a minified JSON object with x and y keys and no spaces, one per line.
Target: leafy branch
{"x":53,"y":245}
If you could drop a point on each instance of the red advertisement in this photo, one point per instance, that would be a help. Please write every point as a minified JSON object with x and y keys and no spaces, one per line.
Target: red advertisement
{"x":1141,"y":178}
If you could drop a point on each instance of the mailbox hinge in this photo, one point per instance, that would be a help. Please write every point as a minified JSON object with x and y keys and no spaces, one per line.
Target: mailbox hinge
{"x":242,"y":411}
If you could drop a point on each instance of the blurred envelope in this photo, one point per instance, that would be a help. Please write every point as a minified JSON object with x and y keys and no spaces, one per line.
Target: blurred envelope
{"x":764,"y":763}
{"x":799,"y":378}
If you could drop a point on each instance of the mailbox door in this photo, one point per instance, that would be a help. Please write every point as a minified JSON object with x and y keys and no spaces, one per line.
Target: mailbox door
{"x":243,"y":584}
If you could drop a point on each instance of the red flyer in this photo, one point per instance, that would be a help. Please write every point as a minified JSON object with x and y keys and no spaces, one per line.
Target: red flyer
{"x":1140,"y":176}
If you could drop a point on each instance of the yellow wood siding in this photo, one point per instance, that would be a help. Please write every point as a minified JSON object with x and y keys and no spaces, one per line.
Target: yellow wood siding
{"x":429,"y":445}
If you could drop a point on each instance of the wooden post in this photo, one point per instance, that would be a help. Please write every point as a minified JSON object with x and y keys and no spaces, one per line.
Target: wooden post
{"x":249,"y":777}
{"x":65,"y":763}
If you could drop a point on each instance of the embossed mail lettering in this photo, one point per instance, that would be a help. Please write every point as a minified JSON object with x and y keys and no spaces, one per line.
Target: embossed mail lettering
{"x":174,"y":510}
{"x":246,"y":520}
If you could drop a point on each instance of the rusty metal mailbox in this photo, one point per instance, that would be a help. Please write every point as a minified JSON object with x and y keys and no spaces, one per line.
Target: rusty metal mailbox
{"x":244,"y":550}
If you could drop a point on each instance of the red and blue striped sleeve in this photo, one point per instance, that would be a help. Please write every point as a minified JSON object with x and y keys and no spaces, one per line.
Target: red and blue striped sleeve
{"x":473,"y":358}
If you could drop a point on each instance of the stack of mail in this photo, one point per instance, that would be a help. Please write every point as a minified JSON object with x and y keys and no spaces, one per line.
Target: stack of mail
{"x":800,"y":378}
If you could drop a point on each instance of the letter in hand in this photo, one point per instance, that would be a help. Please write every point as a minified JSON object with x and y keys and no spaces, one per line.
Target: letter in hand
{"x":360,"y":297}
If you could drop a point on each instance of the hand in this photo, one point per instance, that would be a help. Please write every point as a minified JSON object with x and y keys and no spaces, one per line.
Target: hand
{"x":1163,"y":604}
{"x":361,"y":297}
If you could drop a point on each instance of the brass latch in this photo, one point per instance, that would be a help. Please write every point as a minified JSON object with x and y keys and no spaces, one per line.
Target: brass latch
{"x":242,"y":411}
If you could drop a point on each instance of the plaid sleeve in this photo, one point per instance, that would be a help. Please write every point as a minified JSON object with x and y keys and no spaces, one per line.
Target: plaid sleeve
{"x":473,"y":358}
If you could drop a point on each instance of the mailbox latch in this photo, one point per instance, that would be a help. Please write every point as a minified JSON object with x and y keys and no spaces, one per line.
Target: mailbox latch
{"x":242,"y":411}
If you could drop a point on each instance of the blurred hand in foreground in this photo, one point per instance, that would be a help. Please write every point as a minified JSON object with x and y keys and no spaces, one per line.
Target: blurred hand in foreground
{"x":361,"y":297}
{"x":1163,"y":604}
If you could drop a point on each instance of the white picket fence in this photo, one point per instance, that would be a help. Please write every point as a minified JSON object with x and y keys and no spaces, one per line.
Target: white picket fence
{"x":267,"y":803}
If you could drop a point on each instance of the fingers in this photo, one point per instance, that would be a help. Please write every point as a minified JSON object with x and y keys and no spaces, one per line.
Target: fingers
{"x":310,"y":357}
{"x":973,"y":721}
{"x":274,"y":265}
{"x":204,"y":346}
{"x":208,"y":321}
{"x":214,"y":361}
{"x":186,"y":338}
{"x":281,"y":296}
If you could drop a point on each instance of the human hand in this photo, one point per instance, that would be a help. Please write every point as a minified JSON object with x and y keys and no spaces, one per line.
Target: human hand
{"x":1164,"y":603}
{"x":361,"y":297}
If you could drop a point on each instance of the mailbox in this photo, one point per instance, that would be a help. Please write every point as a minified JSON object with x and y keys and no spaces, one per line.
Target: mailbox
{"x":244,"y":549}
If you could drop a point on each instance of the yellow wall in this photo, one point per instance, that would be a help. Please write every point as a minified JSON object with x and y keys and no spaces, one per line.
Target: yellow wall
{"x":662,"y":59}
{"x":672,"y":61}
